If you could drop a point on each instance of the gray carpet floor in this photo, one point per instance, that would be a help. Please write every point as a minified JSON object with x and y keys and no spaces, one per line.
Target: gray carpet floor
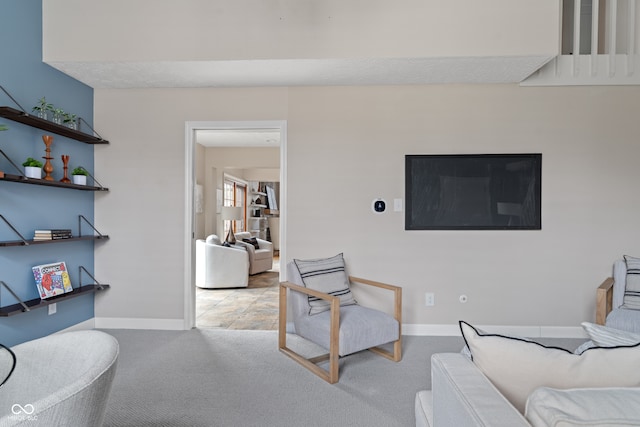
{"x":239,"y":378}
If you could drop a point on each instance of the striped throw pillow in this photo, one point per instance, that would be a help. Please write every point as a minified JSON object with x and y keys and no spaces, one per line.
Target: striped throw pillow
{"x":632,"y":286}
{"x":326,"y":275}
{"x":604,"y":336}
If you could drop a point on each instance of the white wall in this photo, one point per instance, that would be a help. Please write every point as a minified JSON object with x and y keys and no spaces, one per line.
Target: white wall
{"x":346,"y":146}
{"x":144,"y":166}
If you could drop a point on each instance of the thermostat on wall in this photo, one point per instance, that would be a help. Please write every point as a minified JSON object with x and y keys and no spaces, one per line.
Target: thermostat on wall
{"x":379,"y":205}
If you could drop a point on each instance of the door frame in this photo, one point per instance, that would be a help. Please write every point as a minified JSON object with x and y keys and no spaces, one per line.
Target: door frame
{"x":189,"y":211}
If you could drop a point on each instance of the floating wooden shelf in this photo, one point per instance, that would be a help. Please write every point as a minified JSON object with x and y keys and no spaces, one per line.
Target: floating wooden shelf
{"x":34,"y":181}
{"x":40,"y":242}
{"x":10,"y":310}
{"x":37,"y":122}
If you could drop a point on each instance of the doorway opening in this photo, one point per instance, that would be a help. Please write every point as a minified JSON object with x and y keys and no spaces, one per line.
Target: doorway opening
{"x":253,"y":156}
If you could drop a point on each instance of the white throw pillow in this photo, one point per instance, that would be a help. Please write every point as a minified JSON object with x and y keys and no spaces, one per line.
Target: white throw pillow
{"x":606,"y":406}
{"x":326,"y":275}
{"x":517,"y":367}
{"x":604,"y":336}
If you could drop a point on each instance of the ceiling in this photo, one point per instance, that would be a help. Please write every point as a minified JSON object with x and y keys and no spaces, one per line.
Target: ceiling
{"x":298,"y":72}
{"x":302,"y":72}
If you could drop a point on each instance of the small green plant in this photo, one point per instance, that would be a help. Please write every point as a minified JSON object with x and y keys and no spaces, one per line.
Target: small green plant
{"x":31,"y":162}
{"x":80,"y":171}
{"x":4,"y":127}
{"x":69,"y":118}
{"x":42,"y":107}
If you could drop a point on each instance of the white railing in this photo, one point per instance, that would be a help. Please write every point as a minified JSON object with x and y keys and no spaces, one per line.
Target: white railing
{"x":599,"y":45}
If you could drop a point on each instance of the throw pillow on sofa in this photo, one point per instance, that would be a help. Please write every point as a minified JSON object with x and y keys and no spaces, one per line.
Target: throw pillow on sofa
{"x":604,"y":336}
{"x":603,"y":406}
{"x":517,"y":367}
{"x":252,"y":241}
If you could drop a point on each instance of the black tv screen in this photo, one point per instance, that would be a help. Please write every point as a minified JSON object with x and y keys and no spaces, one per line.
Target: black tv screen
{"x":473,"y":192}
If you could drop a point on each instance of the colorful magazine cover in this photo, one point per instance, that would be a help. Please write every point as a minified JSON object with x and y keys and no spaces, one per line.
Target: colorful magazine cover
{"x":52,"y":279}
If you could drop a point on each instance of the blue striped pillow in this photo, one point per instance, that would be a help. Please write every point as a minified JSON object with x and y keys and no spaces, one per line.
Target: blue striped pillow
{"x":326,"y":275}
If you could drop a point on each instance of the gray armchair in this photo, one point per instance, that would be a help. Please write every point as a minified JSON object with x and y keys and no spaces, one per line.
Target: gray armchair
{"x":59,"y":380}
{"x":342,"y":330}
{"x":611,"y":309}
{"x":260,"y":258}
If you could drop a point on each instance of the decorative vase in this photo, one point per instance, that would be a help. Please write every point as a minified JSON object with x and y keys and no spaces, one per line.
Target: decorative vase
{"x":32,"y":172}
{"x":80,"y":179}
{"x":48,"y":167}
{"x":65,"y":163}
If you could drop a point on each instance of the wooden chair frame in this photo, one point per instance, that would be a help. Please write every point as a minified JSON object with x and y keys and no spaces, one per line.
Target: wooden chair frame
{"x":332,"y":375}
{"x":604,"y":300}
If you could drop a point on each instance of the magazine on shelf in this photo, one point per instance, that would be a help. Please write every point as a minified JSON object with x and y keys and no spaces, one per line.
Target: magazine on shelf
{"x":52,"y":279}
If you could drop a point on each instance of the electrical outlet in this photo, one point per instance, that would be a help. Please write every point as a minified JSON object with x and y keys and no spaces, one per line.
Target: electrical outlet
{"x":429,"y":299}
{"x":52,"y":309}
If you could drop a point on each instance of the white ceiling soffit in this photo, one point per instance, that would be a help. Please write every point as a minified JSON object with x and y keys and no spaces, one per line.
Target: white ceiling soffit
{"x":238,"y":137}
{"x":303,"y":72}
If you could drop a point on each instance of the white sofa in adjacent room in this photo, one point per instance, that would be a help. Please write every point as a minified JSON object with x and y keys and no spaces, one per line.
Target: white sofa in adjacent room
{"x":219,"y":266}
{"x":260,"y":257}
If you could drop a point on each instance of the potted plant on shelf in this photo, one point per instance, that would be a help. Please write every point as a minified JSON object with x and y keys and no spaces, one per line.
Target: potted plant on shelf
{"x":32,"y":168}
{"x":58,"y":114}
{"x":42,"y":108}
{"x":70,"y":120}
{"x":80,"y":175}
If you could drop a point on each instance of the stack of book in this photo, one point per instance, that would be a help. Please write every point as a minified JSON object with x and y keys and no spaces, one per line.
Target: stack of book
{"x":64,"y":233}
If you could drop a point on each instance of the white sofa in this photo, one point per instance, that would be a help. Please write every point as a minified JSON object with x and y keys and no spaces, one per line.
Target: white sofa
{"x":261,"y":258}
{"x":219,"y":266}
{"x":59,"y":380}
{"x":462,"y":396}
{"x":512,"y":382}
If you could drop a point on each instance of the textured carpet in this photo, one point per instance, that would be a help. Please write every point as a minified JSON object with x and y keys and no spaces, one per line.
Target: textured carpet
{"x":239,"y":378}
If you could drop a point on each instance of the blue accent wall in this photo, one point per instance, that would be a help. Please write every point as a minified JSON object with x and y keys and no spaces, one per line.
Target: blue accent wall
{"x":28,"y":207}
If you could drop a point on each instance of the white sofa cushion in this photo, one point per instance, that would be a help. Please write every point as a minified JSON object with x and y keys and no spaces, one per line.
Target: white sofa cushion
{"x":548,"y":407}
{"x":423,"y":407}
{"x":517,"y":367}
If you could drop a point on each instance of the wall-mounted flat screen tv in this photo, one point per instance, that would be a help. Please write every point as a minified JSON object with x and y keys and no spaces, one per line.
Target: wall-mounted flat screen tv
{"x":473,"y":192}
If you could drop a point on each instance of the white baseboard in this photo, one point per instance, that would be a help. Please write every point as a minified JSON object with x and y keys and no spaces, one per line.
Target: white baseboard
{"x":82,"y":326}
{"x":135,"y":323}
{"x":407,"y":329}
{"x":521,"y":331}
